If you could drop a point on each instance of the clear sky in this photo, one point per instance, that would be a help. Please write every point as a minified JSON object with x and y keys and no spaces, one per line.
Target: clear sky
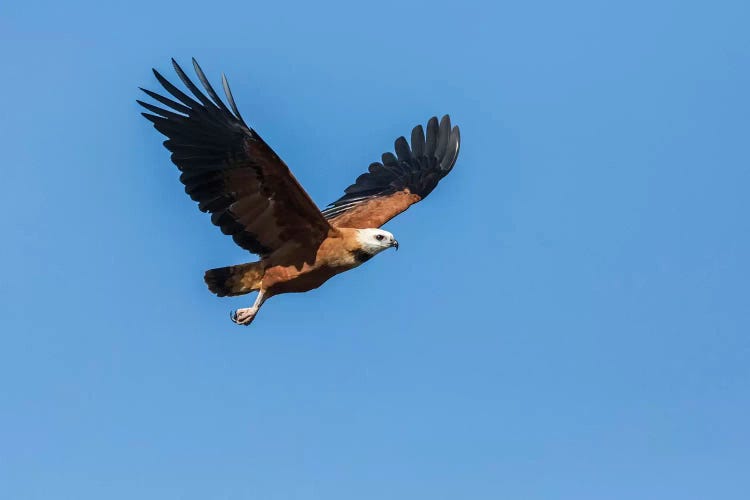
{"x":568,"y":316}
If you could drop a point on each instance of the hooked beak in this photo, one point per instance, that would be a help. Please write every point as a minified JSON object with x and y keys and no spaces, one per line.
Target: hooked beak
{"x":394,"y":244}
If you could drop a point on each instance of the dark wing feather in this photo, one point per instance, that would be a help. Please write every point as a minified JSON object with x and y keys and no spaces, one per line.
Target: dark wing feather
{"x":231,"y":172}
{"x":390,"y":187}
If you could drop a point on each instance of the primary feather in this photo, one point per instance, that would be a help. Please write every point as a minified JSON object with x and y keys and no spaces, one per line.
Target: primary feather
{"x":231,"y":172}
{"x":413,"y":172}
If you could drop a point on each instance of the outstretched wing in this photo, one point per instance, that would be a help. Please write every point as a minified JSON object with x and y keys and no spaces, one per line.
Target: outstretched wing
{"x":390,"y":187}
{"x":231,"y":172}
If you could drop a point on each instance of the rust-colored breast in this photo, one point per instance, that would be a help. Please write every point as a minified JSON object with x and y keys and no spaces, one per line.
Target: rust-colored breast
{"x":335,"y":255}
{"x":289,"y":280}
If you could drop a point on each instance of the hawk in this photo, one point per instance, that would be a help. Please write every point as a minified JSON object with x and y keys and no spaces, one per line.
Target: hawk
{"x":252,"y":195}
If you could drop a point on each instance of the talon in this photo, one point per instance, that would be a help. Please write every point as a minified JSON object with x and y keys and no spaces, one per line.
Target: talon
{"x":243,"y":316}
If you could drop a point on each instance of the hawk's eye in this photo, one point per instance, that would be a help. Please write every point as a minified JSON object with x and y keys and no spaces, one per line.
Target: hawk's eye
{"x":379,"y":237}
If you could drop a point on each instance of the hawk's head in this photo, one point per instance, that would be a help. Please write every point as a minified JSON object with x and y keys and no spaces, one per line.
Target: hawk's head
{"x":374,"y":241}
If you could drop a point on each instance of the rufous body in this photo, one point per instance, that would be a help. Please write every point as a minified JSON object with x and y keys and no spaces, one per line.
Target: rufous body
{"x":338,"y":253}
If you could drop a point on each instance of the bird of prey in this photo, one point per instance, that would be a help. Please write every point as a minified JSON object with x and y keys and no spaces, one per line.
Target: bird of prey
{"x":252,"y":195}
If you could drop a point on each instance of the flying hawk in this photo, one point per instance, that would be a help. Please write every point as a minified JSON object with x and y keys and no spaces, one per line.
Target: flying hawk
{"x":252,"y":196}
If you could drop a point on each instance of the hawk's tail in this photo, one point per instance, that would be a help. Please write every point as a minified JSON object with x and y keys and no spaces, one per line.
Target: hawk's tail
{"x":234,"y":280}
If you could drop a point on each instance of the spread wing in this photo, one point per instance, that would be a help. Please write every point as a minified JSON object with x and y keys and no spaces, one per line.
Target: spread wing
{"x":231,"y":172}
{"x":390,"y":187}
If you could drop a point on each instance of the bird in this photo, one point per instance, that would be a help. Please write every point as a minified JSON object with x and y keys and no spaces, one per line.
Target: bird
{"x":252,"y":195}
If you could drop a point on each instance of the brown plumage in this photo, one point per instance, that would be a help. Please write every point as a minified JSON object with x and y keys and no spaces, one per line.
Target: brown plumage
{"x":252,"y":195}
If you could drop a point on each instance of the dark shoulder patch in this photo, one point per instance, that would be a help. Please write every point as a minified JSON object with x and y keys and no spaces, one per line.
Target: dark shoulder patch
{"x":361,"y":256}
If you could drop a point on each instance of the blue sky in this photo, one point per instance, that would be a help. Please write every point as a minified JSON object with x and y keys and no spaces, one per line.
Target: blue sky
{"x":567,"y":316}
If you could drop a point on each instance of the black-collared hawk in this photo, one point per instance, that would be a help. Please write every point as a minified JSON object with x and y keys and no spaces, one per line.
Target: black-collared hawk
{"x":252,"y":195}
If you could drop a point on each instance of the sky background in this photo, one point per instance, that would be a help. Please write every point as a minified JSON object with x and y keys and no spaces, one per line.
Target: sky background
{"x":567,"y":317}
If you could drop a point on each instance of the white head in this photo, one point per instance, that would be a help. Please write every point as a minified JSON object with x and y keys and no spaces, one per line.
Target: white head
{"x":374,"y":241}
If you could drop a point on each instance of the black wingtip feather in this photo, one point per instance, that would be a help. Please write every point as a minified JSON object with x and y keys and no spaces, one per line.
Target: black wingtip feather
{"x":179,"y":94}
{"x":451,"y":154}
{"x":432,"y":135}
{"x":166,"y":101}
{"x":209,"y":88}
{"x":444,"y":131}
{"x":403,"y":151}
{"x":230,"y":97}
{"x":159,"y":111}
{"x":417,"y":141}
{"x":152,"y":118}
{"x":206,"y":141}
{"x":192,"y":87}
{"x":418,"y":169}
